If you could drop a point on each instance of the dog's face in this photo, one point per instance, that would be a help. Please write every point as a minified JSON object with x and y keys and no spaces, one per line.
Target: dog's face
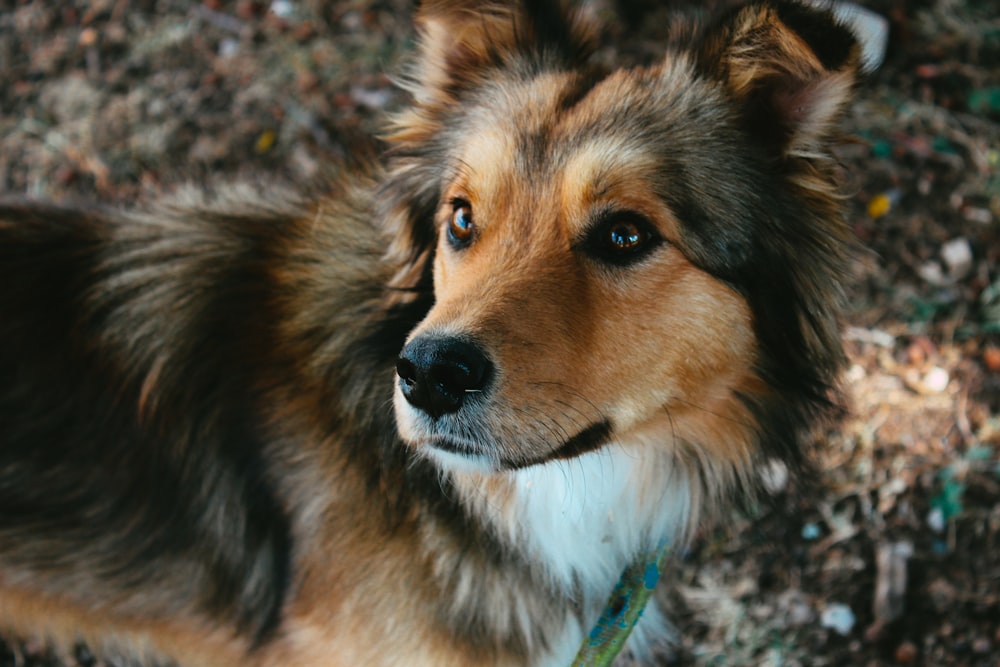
{"x":597,"y":243}
{"x":561,"y":283}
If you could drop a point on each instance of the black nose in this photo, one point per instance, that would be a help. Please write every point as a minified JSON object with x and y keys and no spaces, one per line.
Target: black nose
{"x":439,"y":374}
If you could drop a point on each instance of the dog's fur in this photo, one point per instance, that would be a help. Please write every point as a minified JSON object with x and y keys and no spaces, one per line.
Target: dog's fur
{"x":612,"y":295}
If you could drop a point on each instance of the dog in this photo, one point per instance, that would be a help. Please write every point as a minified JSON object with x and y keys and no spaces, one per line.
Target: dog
{"x":427,"y":415}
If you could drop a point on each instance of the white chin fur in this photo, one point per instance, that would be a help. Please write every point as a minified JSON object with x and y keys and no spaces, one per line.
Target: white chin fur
{"x":458,"y":463}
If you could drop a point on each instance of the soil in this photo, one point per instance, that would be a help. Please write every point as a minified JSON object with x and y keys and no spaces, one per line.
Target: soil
{"x":890,"y":556}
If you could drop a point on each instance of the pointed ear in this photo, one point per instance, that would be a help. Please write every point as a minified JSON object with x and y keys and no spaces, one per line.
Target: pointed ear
{"x":462,"y":40}
{"x":462,"y":45}
{"x":789,"y":67}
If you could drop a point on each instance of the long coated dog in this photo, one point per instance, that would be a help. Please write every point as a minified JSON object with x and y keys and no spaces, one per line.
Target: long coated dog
{"x":426,"y":417}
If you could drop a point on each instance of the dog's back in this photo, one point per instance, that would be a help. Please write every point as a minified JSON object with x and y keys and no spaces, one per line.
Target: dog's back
{"x":132,"y":477}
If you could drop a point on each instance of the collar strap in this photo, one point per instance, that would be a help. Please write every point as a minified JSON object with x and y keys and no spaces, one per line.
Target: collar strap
{"x":622,"y":612}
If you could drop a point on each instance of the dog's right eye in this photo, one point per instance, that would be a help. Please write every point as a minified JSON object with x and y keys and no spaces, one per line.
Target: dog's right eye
{"x":460,"y":226}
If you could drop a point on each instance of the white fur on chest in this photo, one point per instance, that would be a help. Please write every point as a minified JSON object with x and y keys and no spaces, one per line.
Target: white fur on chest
{"x":585,"y":519}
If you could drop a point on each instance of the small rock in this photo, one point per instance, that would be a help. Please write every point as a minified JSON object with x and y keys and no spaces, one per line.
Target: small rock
{"x":88,"y":37}
{"x":855,"y":374}
{"x":907,"y":652}
{"x":957,"y":256}
{"x":839,"y":618}
{"x":936,"y":520}
{"x":991,"y":357}
{"x":981,"y":646}
{"x":936,"y":380}
{"x":976,"y":214}
{"x":229,"y":47}
{"x":282,"y":8}
{"x":933,"y":274}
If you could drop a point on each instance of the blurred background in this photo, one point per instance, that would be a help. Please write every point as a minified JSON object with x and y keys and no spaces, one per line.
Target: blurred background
{"x":891,"y":556}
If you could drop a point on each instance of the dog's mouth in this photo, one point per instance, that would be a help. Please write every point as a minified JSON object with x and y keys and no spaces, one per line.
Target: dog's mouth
{"x":451,"y":406}
{"x":500,"y":457}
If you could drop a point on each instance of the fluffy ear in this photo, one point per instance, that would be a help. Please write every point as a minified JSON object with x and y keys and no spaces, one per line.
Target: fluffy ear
{"x":790,"y":68}
{"x":462,"y":45}
{"x":462,"y":40}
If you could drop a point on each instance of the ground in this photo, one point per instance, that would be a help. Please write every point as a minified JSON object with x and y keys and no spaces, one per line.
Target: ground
{"x":890,"y":555}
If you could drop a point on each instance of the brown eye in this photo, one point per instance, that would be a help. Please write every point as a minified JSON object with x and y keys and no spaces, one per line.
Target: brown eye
{"x":460,"y":225}
{"x":625,"y":237}
{"x":621,"y":238}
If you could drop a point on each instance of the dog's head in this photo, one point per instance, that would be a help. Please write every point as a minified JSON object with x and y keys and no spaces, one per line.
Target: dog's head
{"x":648,"y":255}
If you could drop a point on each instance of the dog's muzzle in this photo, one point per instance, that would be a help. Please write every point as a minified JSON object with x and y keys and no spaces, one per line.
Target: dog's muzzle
{"x":438,"y":375}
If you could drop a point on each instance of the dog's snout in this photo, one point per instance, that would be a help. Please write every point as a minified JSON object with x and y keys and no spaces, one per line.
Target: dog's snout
{"x":438,"y":375}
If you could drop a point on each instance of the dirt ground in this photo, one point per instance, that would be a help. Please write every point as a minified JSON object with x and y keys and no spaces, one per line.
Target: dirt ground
{"x":891,"y":556}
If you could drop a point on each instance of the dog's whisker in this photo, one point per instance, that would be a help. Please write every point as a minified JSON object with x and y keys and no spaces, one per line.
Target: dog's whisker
{"x":715,"y":413}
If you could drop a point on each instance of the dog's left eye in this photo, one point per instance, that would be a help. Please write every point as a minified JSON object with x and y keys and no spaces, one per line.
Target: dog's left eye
{"x":621,"y":238}
{"x":460,"y":225}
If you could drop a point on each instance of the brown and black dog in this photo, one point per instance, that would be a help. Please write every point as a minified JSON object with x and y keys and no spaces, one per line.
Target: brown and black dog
{"x":427,"y":417}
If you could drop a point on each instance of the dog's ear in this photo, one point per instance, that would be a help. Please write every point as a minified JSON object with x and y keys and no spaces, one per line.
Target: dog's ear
{"x":462,"y":41}
{"x":790,"y":69}
{"x":462,"y":45}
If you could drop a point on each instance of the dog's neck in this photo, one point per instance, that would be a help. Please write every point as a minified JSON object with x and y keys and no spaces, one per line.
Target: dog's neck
{"x":584,"y":518}
{"x":579,"y":523}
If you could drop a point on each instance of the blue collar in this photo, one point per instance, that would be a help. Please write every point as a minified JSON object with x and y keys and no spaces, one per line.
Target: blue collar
{"x":608,"y":636}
